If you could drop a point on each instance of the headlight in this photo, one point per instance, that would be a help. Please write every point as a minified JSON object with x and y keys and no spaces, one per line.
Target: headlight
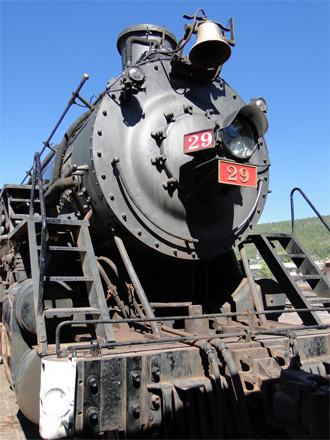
{"x":239,"y":138}
{"x":136,"y":74}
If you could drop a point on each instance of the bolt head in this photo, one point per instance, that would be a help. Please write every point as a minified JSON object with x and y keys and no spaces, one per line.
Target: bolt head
{"x":156,"y":372}
{"x":136,"y":409}
{"x":136,"y":378}
{"x":155,"y":401}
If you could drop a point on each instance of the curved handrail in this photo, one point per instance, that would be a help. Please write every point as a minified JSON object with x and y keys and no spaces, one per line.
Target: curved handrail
{"x":75,"y":95}
{"x":310,"y":204}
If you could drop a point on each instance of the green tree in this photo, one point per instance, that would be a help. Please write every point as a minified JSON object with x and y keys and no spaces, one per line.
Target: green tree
{"x":265,"y":271}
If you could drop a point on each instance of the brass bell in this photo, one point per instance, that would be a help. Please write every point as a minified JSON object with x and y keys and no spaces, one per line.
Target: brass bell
{"x":210,"y":49}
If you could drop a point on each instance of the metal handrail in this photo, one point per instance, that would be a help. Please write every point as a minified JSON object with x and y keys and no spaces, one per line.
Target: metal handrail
{"x":310,"y":204}
{"x":72,"y":101}
{"x":37,"y":175}
{"x":287,"y":332}
{"x":246,"y":331}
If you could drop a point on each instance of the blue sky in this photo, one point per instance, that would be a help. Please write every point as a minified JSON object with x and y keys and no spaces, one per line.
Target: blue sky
{"x":281,"y":53}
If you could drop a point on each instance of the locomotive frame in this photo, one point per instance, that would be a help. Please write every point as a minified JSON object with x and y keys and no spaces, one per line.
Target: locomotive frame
{"x":93,"y":342}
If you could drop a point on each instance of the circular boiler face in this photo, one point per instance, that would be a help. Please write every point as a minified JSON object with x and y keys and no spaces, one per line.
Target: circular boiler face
{"x":168,"y":200}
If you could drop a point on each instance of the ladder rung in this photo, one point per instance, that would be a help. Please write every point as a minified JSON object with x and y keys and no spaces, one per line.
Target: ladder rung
{"x":66,"y":222}
{"x":15,"y":200}
{"x":18,"y":216}
{"x":65,"y":278}
{"x":307,"y":277}
{"x":64,"y":248}
{"x":292,"y":255}
{"x":72,"y":311}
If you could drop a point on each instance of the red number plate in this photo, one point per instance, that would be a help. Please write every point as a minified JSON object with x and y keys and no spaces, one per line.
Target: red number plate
{"x":237,"y":174}
{"x":200,"y":140}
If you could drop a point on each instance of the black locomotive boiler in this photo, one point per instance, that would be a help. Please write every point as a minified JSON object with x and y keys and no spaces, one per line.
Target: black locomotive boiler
{"x":125,"y":311}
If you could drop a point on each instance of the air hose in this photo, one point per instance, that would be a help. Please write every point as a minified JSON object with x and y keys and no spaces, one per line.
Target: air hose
{"x":244,"y":427}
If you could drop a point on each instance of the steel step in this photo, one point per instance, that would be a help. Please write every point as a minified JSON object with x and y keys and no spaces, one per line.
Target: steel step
{"x":64,"y":248}
{"x":292,"y":256}
{"x":21,"y":230}
{"x":68,"y":278}
{"x":307,"y":277}
{"x":72,"y":311}
{"x":289,"y":242}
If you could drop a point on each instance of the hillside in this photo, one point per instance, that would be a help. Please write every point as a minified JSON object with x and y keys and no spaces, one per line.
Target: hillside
{"x":311,"y":232}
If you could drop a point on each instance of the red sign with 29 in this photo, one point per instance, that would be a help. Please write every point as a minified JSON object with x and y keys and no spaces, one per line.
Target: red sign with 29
{"x":198,"y":141}
{"x":237,"y":174}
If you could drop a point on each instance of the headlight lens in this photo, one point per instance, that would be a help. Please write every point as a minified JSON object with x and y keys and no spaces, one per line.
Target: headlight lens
{"x":136,"y":74}
{"x":239,"y":138}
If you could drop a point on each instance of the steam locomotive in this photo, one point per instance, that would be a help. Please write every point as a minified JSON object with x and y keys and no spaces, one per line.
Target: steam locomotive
{"x":126,"y":312}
